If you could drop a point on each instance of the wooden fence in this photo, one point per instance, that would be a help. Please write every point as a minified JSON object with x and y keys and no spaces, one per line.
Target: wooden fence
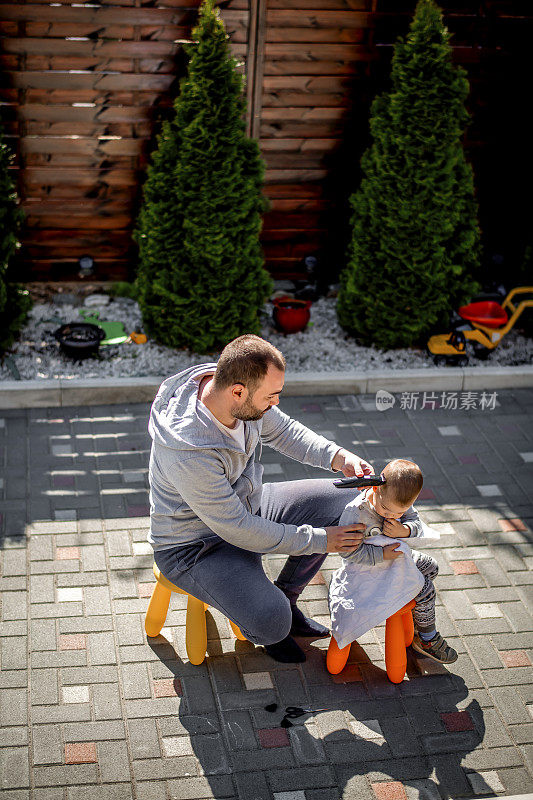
{"x":85,"y":86}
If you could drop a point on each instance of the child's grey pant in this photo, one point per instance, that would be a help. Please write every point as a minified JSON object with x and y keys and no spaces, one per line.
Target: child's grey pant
{"x":233,"y":580}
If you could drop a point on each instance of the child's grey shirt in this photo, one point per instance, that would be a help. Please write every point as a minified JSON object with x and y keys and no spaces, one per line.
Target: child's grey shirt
{"x":360,"y":510}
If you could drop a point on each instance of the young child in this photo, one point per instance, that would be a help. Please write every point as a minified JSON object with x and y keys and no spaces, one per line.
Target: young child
{"x":378,"y":577}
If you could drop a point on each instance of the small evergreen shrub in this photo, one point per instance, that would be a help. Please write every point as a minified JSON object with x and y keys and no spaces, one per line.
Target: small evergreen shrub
{"x":14,"y":300}
{"x":415,"y":245}
{"x":201,"y":280}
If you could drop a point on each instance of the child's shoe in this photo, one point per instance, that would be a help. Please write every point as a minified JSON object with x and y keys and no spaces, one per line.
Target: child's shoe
{"x":437,"y":648}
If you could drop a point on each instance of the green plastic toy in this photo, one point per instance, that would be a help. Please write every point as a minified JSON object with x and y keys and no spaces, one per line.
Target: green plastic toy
{"x":114,"y":331}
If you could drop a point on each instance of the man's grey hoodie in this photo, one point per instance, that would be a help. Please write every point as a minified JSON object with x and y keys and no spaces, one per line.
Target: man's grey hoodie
{"x":202,"y":483}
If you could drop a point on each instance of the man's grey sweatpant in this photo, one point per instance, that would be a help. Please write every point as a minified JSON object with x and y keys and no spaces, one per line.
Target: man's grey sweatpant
{"x":233,"y":580}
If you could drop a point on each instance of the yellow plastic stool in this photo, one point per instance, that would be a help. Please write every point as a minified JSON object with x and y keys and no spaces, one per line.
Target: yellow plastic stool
{"x":195,"y":626}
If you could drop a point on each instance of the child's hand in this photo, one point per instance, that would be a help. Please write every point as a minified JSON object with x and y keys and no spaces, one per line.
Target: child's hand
{"x":390,"y":552}
{"x":395,"y":529}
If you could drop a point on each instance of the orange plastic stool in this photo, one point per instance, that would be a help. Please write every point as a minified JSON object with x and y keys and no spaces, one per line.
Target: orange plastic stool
{"x":399,"y":633}
{"x":195,"y":625}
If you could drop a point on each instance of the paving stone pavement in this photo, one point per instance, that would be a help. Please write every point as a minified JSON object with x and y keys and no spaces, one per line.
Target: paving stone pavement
{"x":90,"y":708}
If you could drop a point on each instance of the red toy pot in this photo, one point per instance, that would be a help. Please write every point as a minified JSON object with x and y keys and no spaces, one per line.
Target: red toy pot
{"x":291,"y":315}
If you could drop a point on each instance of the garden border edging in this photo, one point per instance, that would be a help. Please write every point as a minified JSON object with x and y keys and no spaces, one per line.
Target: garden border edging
{"x":95,"y":391}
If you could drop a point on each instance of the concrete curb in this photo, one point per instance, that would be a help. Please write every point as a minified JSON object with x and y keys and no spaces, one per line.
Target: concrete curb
{"x":96,"y":391}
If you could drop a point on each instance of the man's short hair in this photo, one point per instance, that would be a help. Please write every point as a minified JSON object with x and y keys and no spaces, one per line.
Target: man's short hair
{"x":246,"y":360}
{"x":403,"y":481}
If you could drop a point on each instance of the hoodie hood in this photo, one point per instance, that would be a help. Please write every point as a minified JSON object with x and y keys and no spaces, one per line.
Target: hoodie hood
{"x":177,"y":420}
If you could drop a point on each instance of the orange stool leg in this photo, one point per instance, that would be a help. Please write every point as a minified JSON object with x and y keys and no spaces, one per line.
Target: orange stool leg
{"x":336,"y":658}
{"x":157,"y":610}
{"x":408,"y":627}
{"x":395,"y":654}
{"x":195,"y":630}
{"x":237,"y":631}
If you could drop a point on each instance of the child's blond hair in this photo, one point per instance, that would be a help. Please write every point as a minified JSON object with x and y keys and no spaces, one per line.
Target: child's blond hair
{"x":403,"y":481}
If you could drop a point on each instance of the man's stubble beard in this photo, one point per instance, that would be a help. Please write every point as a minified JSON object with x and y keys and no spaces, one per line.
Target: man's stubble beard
{"x":248,"y":412}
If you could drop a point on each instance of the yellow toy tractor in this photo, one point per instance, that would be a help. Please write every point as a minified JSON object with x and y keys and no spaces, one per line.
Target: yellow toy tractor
{"x":486,"y":323}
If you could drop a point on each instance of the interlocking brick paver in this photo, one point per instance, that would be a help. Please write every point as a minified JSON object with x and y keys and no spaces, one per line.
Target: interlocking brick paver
{"x":75,"y":694}
{"x":72,"y":641}
{"x":167,"y":687}
{"x":457,"y":721}
{"x":389,"y":790}
{"x":68,"y":553}
{"x":93,"y":671}
{"x":515,"y":658}
{"x":464,"y":567}
{"x":273,"y":737}
{"x":46,"y":745}
{"x":80,"y":753}
{"x":258,"y":680}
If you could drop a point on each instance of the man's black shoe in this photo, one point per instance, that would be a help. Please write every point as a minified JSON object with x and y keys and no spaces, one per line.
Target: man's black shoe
{"x":303,"y":626}
{"x":286,"y":651}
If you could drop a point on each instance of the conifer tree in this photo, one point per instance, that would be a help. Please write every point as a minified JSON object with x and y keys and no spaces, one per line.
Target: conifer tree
{"x":14,"y":300}
{"x":415,"y":243}
{"x":201,"y":280}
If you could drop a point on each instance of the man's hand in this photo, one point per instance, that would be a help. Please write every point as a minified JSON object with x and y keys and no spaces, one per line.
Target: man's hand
{"x":390,"y":552}
{"x":351,"y":465}
{"x":344,"y":538}
{"x":395,"y":529}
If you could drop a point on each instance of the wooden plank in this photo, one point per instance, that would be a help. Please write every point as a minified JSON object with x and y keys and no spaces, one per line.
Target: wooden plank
{"x":67,"y":250}
{"x":62,"y":30}
{"x":276,"y":220}
{"x":90,"y":222}
{"x":78,"y":237}
{"x":51,"y":176}
{"x":86,"y":145}
{"x":310,"y":67}
{"x":39,"y":207}
{"x":303,"y":115}
{"x":322,"y":5}
{"x":282,"y":129}
{"x":312,"y":35}
{"x":101,"y":82}
{"x":99,"y":113}
{"x":62,"y":192}
{"x":319,"y":52}
{"x":307,"y":83}
{"x":98,"y":64}
{"x":102,"y":15}
{"x":294,"y":175}
{"x":298,"y":204}
{"x":281,"y":99}
{"x":293,"y":190}
{"x":144,"y":33}
{"x":91,"y":47}
{"x":187,"y":4}
{"x":297,"y":145}
{"x":279,"y":160}
{"x":292,"y":18}
{"x":95,"y":162}
{"x":99,"y":99}
{"x":139,"y":130}
{"x":289,"y":234}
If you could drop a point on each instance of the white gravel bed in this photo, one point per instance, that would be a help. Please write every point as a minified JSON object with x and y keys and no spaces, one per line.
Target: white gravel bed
{"x":323,"y":347}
